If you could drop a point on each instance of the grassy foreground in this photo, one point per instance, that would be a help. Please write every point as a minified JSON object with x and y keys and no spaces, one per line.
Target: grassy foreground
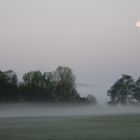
{"x":125,"y":127}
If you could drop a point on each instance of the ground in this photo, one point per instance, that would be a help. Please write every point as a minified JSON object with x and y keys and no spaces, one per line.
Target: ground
{"x":120,"y":127}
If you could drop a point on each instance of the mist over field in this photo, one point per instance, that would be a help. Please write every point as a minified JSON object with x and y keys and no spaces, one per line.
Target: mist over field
{"x":55,"y":110}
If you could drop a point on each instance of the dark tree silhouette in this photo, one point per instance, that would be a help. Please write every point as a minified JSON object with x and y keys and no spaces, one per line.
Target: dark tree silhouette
{"x":136,"y":93}
{"x":92,"y":99}
{"x":33,"y":86}
{"x":8,"y":86}
{"x":56,"y":86}
{"x":121,"y":91}
{"x":65,"y":87}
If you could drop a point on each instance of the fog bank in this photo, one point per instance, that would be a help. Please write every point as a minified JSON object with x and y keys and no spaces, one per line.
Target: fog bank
{"x":44,"y":110}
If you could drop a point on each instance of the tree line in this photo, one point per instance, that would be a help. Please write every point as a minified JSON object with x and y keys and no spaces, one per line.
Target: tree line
{"x":125,"y":91}
{"x":56,"y":86}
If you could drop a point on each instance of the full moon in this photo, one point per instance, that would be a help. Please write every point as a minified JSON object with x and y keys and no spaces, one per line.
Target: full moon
{"x":138,"y":24}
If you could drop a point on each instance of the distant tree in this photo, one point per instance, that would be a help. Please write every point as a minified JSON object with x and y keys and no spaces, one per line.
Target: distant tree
{"x":49,"y":86}
{"x":122,"y":90}
{"x":33,"y":85}
{"x":66,"y":87}
{"x":33,"y":78}
{"x":136,"y":94}
{"x":92,"y":99}
{"x":8,"y":86}
{"x":2,"y":86}
{"x":58,"y":85}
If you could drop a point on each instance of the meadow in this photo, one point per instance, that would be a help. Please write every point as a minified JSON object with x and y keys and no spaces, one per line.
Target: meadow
{"x":109,"y":127}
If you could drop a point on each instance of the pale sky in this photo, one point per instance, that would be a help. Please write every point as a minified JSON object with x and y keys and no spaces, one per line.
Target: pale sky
{"x":98,"y":39}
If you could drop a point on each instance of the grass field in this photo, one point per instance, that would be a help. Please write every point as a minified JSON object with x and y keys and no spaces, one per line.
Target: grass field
{"x":121,"y":127}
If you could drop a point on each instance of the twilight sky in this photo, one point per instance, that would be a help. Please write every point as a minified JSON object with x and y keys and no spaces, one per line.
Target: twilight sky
{"x":98,"y":39}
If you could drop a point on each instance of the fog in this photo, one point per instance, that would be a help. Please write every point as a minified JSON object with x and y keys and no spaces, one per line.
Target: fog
{"x":54,"y":110}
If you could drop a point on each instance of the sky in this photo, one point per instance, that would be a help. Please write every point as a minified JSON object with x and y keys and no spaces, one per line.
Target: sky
{"x":98,"y":39}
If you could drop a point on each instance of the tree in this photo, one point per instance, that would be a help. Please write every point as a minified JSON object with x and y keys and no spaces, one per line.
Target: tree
{"x":49,"y":86}
{"x":2,"y":86}
{"x":8,"y":86}
{"x":33,"y":78}
{"x":33,"y":85}
{"x":92,"y":99}
{"x":66,"y":87}
{"x":58,"y":85}
{"x":122,"y":90}
{"x":136,"y":93}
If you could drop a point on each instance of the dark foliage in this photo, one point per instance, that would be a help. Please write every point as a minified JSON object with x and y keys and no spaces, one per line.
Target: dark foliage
{"x":125,"y":91}
{"x":56,"y":86}
{"x":8,"y":86}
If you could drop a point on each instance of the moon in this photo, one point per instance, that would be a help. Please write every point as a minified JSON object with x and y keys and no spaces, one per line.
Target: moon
{"x":138,"y":24}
